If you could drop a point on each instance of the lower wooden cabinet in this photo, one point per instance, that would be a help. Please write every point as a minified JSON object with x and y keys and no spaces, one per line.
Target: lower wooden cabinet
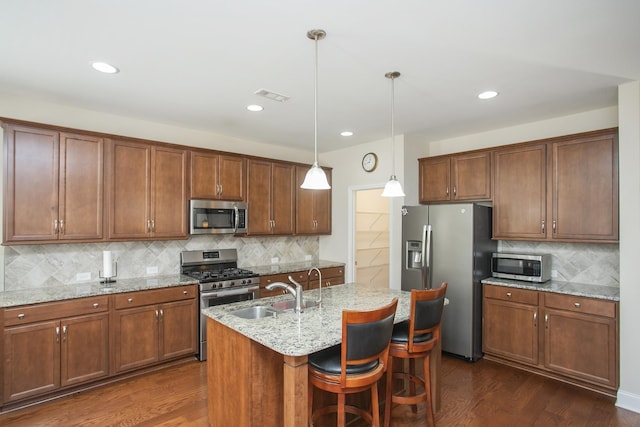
{"x":571,"y":338}
{"x":152,"y":326}
{"x":44,"y":352}
{"x":330,"y":276}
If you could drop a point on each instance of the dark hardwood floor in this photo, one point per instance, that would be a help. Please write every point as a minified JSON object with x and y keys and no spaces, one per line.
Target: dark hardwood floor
{"x":473,"y":394}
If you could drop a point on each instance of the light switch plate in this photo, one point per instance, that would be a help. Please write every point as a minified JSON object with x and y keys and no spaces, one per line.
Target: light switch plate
{"x":275,"y":260}
{"x":83,"y":276}
{"x":152,"y":270}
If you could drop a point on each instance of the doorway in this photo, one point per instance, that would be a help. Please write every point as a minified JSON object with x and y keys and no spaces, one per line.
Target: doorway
{"x":371,"y":237}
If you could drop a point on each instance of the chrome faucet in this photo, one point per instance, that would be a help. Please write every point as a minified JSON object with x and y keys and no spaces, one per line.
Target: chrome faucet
{"x":319,"y":284}
{"x":297,"y":292}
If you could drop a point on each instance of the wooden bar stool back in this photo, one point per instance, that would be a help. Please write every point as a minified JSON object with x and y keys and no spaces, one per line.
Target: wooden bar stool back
{"x":414,"y":339}
{"x":355,"y":365}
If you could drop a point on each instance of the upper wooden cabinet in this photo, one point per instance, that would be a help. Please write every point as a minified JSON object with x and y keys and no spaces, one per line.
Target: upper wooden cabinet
{"x":455,"y":177}
{"x":217,"y":176}
{"x":54,"y":186}
{"x":564,"y":189}
{"x":313,"y":207}
{"x":147,"y":191}
{"x":270,"y":197}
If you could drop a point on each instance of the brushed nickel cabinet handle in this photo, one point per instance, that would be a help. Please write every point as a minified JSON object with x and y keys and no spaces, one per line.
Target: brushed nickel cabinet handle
{"x":156,"y":314}
{"x":64,"y":333}
{"x":508,"y":294}
{"x":447,"y":191}
{"x":161,"y":314}
{"x":455,"y":191}
{"x":57,"y":333}
{"x":184,"y":292}
{"x":96,"y":305}
{"x":576,"y":304}
{"x":62,"y":226}
{"x":129,"y":300}
{"x":21,"y":316}
{"x":543,"y":225}
{"x":546,"y":321}
{"x":55,"y":225}
{"x":153,"y":225}
{"x":553,"y":225}
{"x":148,"y":226}
{"x":535,"y":319}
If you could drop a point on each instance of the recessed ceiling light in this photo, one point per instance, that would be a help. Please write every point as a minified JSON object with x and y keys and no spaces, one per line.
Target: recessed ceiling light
{"x":346,"y":133}
{"x":103,"y":67}
{"x":255,"y":107}
{"x":488,"y":94}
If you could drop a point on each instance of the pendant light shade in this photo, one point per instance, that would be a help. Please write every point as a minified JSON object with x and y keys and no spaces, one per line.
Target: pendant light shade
{"x":316,"y":179}
{"x":393,"y":188}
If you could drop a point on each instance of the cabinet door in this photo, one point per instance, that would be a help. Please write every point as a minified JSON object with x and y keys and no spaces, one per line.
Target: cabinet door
{"x":129,"y":194}
{"x":519,"y":199}
{"x":471,"y":176}
{"x":178,"y":329}
{"x":204,"y":175}
{"x":313,"y":207}
{"x":168,"y":192}
{"x":31,"y":187}
{"x":510,"y":330}
{"x":585,"y":189}
{"x":81,"y":187}
{"x":135,"y":337}
{"x":231,"y":178}
{"x":283,"y":199}
{"x":84,"y":350}
{"x":31,"y":360}
{"x":581,"y":346}
{"x":434,"y":175}
{"x":259,"y":195}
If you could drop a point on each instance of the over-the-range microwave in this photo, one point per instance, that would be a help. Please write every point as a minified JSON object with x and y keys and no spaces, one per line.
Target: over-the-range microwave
{"x":217,"y":217}
{"x":527,"y":267}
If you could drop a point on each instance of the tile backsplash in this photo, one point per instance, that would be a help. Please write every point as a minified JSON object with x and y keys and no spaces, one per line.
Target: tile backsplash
{"x":591,"y":264}
{"x":34,"y":266}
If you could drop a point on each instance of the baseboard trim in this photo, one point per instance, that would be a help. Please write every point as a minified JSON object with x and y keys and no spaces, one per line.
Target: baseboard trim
{"x":630,"y":401}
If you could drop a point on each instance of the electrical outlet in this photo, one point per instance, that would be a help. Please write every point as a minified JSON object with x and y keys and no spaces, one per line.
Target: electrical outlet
{"x":152,"y":270}
{"x":307,"y":257}
{"x":83,"y":276}
{"x":554,"y":274}
{"x":275,"y":260}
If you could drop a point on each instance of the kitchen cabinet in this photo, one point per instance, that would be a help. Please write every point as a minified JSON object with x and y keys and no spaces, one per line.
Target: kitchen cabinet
{"x":313,"y":207}
{"x":270,"y":198}
{"x":54,"y":186}
{"x":217,"y":176}
{"x":510,"y":323}
{"x":299,"y":276}
{"x":51,"y":346}
{"x":152,"y":326}
{"x":562,"y":189}
{"x":458,"y":177}
{"x":330,"y":276}
{"x":571,"y":338}
{"x":147,"y":191}
{"x":580,"y":338}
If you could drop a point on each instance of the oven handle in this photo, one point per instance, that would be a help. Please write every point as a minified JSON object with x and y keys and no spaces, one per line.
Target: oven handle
{"x":226,"y":293}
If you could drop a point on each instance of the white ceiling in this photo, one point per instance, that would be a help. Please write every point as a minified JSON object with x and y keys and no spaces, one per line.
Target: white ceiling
{"x":197,"y":63}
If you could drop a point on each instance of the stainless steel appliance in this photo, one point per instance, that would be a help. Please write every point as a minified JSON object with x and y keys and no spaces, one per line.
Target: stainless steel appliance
{"x":526,"y":267}
{"x":217,"y":217}
{"x":220,"y":281}
{"x":450,"y":243}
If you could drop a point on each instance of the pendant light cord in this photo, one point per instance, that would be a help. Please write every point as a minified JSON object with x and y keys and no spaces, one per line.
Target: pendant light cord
{"x":315,"y":108}
{"x":393,"y":130}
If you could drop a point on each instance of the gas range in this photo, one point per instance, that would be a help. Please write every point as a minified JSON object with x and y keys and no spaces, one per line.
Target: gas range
{"x":216,"y":269}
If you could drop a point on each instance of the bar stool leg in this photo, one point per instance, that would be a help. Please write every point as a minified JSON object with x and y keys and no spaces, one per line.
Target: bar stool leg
{"x":427,"y":390}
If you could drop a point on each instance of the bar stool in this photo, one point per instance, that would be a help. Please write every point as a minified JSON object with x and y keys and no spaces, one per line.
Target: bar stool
{"x":355,"y":365}
{"x":414,"y":339}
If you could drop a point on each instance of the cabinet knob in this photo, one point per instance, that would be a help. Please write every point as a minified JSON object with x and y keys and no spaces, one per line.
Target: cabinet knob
{"x":184,"y":292}
{"x":576,"y":304}
{"x":21,"y":316}
{"x":130,"y":300}
{"x":508,"y":294}
{"x":96,"y":305}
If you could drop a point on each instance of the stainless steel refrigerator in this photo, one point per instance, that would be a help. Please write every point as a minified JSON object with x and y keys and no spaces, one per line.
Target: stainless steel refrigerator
{"x":450,"y":243}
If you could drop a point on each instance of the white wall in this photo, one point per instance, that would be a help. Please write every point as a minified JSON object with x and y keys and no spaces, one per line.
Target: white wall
{"x":629,"y":134}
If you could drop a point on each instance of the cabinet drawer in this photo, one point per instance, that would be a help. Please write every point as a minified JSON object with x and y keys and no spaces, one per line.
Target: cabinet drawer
{"x":581,"y":304}
{"x":299,"y":276}
{"x":328,"y":272}
{"x":505,"y":293}
{"x":55,"y":310}
{"x":284,"y":277}
{"x":154,"y":296}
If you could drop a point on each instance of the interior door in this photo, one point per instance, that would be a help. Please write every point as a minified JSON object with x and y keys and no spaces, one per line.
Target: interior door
{"x":372,"y":237}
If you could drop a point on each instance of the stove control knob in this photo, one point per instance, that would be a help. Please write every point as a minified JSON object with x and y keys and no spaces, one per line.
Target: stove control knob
{"x":244,"y":282}
{"x":232,"y":283}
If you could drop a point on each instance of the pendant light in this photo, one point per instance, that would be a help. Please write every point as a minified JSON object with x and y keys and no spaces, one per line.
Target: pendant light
{"x":316,"y":178}
{"x":393,"y":188}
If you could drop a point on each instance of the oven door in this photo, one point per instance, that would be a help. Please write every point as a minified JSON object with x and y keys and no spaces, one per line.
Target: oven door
{"x":213,"y":298}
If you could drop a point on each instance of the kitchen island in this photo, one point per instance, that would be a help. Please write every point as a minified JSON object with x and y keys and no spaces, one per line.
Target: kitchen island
{"x":257,"y":368}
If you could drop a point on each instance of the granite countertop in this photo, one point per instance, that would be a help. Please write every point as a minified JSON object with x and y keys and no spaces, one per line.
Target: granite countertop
{"x":88,"y":289}
{"x":611,"y":293}
{"x":300,"y":334}
{"x":264,"y":270}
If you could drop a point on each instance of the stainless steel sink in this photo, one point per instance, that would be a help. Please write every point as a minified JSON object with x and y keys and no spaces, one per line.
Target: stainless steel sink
{"x":290,"y":304}
{"x":255,"y":312}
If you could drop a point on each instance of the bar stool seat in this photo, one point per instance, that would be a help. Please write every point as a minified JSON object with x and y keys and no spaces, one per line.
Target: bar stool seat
{"x":355,"y":365}
{"x":414,"y":339}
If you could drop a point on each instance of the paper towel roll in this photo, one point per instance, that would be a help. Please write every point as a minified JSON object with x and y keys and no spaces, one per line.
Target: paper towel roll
{"x":107,"y":264}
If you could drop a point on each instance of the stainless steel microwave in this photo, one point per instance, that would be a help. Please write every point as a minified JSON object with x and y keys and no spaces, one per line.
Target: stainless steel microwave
{"x":217,"y":217}
{"x":527,"y":267}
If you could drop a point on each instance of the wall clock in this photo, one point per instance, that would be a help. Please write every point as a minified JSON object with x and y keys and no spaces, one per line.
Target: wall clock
{"x":369,"y":162}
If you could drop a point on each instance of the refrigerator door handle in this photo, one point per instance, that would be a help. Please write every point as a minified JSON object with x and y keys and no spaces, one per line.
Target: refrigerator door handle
{"x":426,"y":257}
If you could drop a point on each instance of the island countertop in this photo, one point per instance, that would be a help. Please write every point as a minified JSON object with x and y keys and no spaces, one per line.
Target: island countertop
{"x":316,"y":328}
